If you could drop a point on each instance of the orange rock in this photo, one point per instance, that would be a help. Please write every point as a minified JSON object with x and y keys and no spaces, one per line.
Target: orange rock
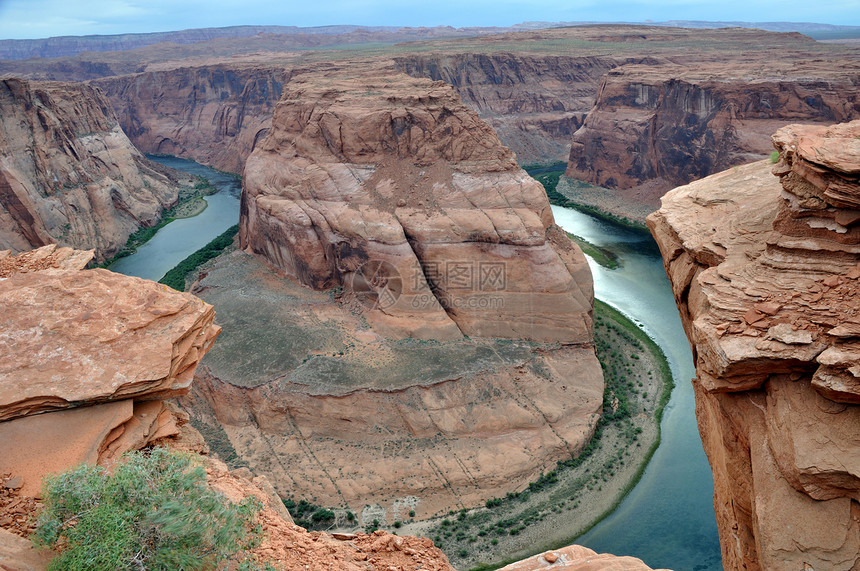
{"x":578,"y":558}
{"x":778,"y":413}
{"x":98,"y":351}
{"x":370,"y":180}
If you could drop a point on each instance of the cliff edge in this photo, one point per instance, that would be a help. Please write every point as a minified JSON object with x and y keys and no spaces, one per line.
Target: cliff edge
{"x":765,"y":273}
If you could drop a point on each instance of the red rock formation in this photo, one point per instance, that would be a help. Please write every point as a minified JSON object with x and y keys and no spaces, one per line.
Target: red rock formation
{"x":391,"y":187}
{"x":97,"y":350}
{"x":212,"y":114}
{"x":765,"y":273}
{"x":677,"y":123}
{"x":68,"y":173}
{"x":535,"y":102}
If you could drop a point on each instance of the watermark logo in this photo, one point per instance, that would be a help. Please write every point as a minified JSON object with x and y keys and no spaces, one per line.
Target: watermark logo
{"x":377,"y":284}
{"x":441,"y":284}
{"x":468,"y":276}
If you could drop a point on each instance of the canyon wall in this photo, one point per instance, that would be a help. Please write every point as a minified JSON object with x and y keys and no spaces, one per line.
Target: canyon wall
{"x":670,"y":124}
{"x":392,"y":188}
{"x":534,"y":102}
{"x":212,"y":114}
{"x":765,"y":272}
{"x":68,"y":173}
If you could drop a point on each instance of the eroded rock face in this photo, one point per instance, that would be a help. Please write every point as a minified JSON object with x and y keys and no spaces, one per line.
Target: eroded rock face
{"x":303,"y":389}
{"x":99,"y":352}
{"x":765,"y":272}
{"x":213,"y":114}
{"x":672,"y":124}
{"x":68,"y":173}
{"x":390,"y":187}
{"x":534,"y":102}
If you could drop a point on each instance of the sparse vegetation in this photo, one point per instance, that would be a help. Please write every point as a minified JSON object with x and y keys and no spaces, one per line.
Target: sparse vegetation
{"x":153,"y":511}
{"x":774,"y":157}
{"x":621,"y":347}
{"x":188,"y":204}
{"x":602,"y":256}
{"x":549,"y":176}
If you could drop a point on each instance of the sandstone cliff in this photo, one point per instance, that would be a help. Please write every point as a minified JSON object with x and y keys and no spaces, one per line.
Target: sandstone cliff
{"x":86,"y":359}
{"x":535,"y":102}
{"x":670,"y":124}
{"x":765,"y":272}
{"x":390,"y":187}
{"x":212,"y":114}
{"x":68,"y":173}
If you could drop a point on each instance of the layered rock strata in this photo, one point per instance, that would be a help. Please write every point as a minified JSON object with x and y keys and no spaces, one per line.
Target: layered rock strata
{"x":669,"y":124}
{"x":765,"y":272}
{"x":534,"y":102}
{"x":303,"y":389}
{"x":391,"y":188}
{"x":68,"y":173}
{"x":213,"y":114}
{"x":86,"y":359}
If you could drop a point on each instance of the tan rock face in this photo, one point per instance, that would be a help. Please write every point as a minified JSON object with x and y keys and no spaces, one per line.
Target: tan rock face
{"x":678,"y":123}
{"x":212,"y":114}
{"x":534,"y":102}
{"x":390,"y":187}
{"x":68,"y":173}
{"x":577,"y":558}
{"x":306,"y":391}
{"x":765,"y":272}
{"x":98,"y":351}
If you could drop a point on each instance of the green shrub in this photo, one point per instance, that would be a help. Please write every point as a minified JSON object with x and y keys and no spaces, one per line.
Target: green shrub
{"x":774,"y":157}
{"x":154,"y":511}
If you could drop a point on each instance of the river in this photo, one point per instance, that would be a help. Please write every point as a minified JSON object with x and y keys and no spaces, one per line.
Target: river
{"x":667,"y":520}
{"x":177,"y":240}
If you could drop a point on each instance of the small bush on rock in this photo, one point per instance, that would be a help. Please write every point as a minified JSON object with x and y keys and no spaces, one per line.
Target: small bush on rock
{"x":153,"y":511}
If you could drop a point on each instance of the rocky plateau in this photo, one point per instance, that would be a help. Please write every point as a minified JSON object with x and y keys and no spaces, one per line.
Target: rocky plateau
{"x":68,"y":173}
{"x":636,"y":108}
{"x":368,"y":186}
{"x":765,"y":272}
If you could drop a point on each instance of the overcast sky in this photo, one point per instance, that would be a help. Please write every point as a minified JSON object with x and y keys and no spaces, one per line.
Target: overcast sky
{"x":45,"y":18}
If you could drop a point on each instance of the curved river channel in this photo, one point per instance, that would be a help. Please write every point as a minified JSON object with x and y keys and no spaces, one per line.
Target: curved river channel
{"x":667,"y":520}
{"x":175,"y":241}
